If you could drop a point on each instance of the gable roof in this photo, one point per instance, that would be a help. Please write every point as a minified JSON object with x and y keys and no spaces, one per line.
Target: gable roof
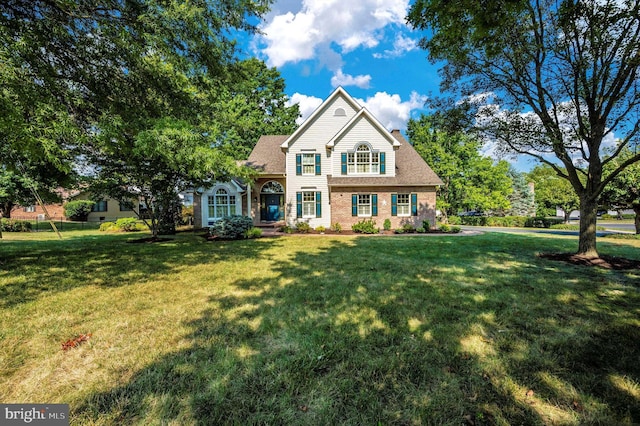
{"x":411,"y":170}
{"x":303,"y":127}
{"x":363,"y":114}
{"x":267,"y":157}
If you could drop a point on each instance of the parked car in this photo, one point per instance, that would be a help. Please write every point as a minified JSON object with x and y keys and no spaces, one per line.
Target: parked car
{"x":471,"y":213}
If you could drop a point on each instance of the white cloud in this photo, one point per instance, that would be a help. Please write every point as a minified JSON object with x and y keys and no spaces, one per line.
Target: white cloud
{"x":391,"y":110}
{"x":321,"y":24}
{"x":307,"y":105}
{"x":401,"y":45}
{"x":341,"y":79}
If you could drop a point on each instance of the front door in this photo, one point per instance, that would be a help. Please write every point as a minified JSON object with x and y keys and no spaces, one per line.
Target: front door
{"x":271,"y":210}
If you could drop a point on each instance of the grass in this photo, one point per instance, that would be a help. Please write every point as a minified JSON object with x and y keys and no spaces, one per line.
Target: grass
{"x":319,"y":330}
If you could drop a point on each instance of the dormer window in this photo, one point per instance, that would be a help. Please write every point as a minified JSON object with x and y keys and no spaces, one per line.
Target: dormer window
{"x":363,"y":160}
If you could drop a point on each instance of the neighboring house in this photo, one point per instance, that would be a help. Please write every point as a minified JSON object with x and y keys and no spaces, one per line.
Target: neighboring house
{"x":108,"y":209}
{"x":103,"y":210}
{"x":340,"y":166}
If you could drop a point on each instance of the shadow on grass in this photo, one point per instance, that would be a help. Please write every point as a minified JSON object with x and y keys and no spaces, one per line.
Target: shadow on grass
{"x":29,"y":269}
{"x":400,"y":331}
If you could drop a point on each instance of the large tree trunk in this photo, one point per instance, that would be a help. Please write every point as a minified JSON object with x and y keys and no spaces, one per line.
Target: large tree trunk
{"x":588,"y":222}
{"x":636,"y":210}
{"x":5,"y":209}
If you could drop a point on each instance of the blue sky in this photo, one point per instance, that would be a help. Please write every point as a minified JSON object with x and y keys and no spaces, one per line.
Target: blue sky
{"x":365,"y":46}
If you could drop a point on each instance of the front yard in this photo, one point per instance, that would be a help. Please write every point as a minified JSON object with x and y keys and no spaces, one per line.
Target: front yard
{"x":326,"y":330}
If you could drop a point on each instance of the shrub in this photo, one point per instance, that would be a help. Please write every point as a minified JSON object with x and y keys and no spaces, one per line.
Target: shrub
{"x":321,"y":229}
{"x":286,"y":229}
{"x":386,"y":225}
{"x":399,"y":231}
{"x":11,"y":225}
{"x":426,"y":225}
{"x":408,"y":228}
{"x":365,"y":226}
{"x":572,"y":227}
{"x":421,"y":230}
{"x":303,"y":227}
{"x":445,"y":227}
{"x":108,"y":226}
{"x":455,"y":229}
{"x":231,"y":227}
{"x":336,"y":227}
{"x":253,"y":233}
{"x":78,"y":210}
{"x":129,"y":224}
{"x":455,"y":220}
{"x":542,"y":222}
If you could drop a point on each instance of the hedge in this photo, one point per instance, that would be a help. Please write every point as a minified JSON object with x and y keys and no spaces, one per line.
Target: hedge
{"x":506,"y":221}
{"x":11,"y":225}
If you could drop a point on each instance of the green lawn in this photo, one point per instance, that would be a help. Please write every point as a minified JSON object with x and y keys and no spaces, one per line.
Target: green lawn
{"x":319,"y":330}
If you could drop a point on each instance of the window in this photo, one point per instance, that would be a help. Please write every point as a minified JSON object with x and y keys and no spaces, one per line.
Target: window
{"x":308,"y":204}
{"x":404,"y":205}
{"x":126,"y":206}
{"x":30,"y":209}
{"x":272,"y":187}
{"x":221,"y":204}
{"x":308,"y":164}
{"x":99,"y":206}
{"x":363,"y":160}
{"x":364,"y":205}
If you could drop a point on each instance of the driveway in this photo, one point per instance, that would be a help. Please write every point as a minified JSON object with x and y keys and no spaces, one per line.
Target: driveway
{"x":541,"y":230}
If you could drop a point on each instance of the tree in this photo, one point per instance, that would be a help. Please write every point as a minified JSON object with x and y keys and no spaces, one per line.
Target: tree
{"x":522,"y":199}
{"x":624,"y":191}
{"x":155,"y":164}
{"x":563,"y":74}
{"x":552,"y":191}
{"x":253,"y":104}
{"x":471,"y":181}
{"x":119,"y":73}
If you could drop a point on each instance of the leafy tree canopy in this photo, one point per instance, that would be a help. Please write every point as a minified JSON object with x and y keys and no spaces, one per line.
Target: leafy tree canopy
{"x":624,"y":191}
{"x":471,"y":181}
{"x":552,"y":191}
{"x":562,"y":76}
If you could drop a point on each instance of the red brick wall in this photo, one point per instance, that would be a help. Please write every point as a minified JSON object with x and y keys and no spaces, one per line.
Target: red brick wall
{"x":341,"y":206}
{"x":56,"y":212}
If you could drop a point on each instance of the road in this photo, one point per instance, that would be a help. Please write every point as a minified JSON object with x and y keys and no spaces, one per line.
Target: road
{"x":611,"y":228}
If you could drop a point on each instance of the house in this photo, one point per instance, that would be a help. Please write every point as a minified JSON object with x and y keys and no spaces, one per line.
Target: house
{"x":340,"y":166}
{"x":104,"y":209}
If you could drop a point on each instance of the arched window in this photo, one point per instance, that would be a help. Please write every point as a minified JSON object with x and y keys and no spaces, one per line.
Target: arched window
{"x":340,"y":112}
{"x":221,"y":204}
{"x":363,"y":160}
{"x":272,"y":187}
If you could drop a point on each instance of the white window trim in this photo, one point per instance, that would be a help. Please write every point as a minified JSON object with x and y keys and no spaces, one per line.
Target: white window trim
{"x":206,"y":218}
{"x":407,"y":204}
{"x":352,"y":167}
{"x":370,"y":214}
{"x":308,"y":160}
{"x":312,"y":214}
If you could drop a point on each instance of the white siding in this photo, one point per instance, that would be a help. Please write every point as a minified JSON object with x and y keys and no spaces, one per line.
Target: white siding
{"x":314,"y":140}
{"x":364,"y":131}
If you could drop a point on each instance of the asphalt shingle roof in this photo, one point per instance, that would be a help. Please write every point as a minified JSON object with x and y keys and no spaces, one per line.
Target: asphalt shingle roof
{"x":411,"y":170}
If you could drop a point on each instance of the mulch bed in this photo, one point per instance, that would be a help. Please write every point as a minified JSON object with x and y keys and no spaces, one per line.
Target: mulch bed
{"x":149,"y":240}
{"x":604,"y":261}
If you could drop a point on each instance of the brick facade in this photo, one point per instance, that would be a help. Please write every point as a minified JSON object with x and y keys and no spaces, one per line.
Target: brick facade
{"x":341,"y":211}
